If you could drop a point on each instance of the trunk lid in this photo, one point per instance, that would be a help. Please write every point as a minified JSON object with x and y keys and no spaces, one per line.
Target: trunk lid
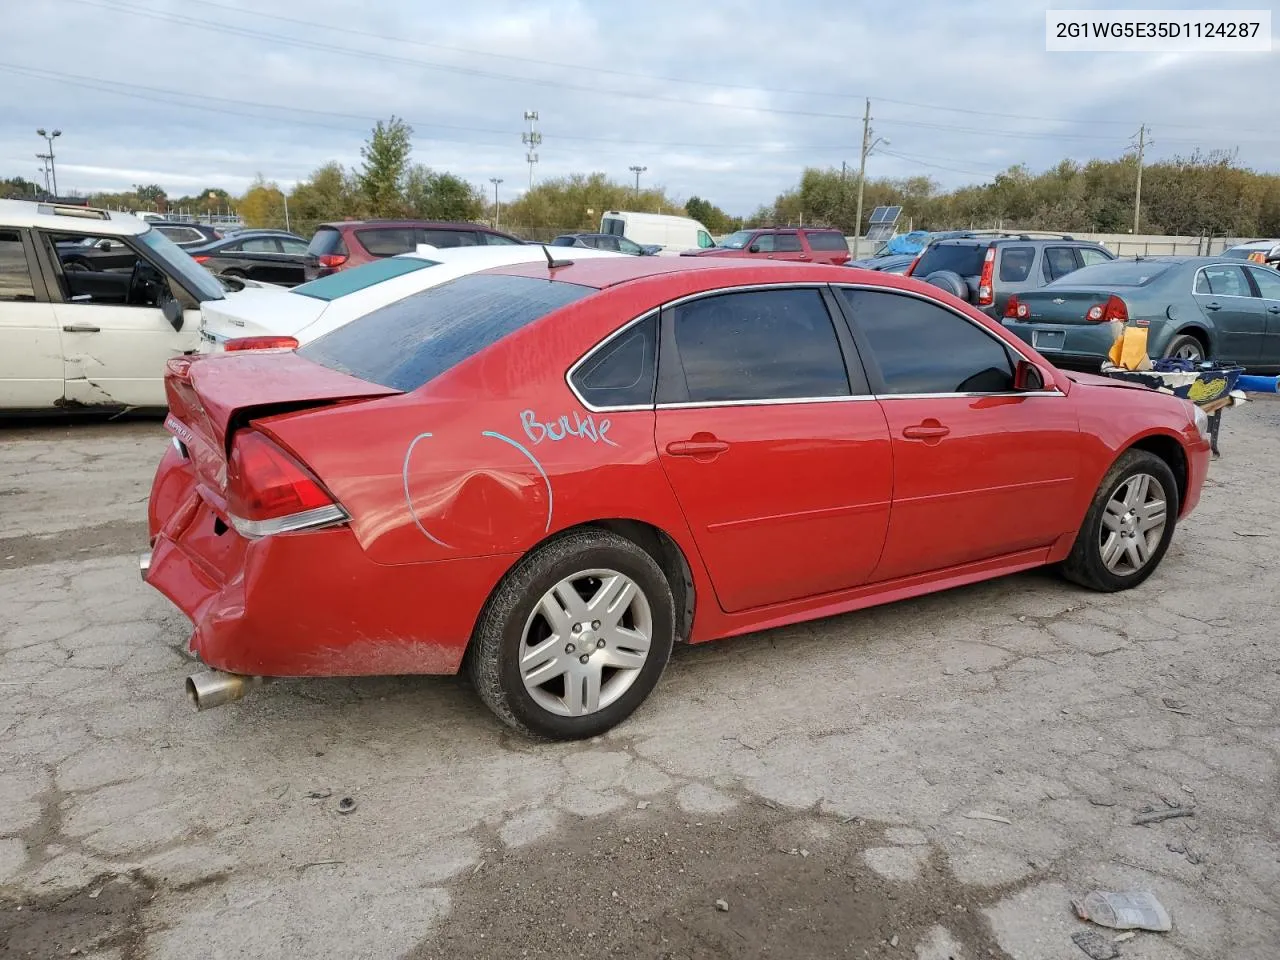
{"x":257,"y":311}
{"x":210,"y":396}
{"x":1062,"y":305}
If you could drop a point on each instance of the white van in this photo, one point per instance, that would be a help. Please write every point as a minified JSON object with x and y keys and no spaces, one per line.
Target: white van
{"x":673,"y":234}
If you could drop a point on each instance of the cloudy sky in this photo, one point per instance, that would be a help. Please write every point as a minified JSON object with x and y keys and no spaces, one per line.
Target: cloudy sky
{"x":726,"y":99}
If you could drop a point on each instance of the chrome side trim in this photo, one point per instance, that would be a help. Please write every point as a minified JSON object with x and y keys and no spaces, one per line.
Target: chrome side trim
{"x":1240,"y":265}
{"x":568,"y":376}
{"x":691,"y":404}
{"x":325,"y":516}
{"x":1055,"y":392}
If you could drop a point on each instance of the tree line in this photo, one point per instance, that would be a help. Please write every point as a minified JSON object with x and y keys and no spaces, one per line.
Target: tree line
{"x":1203,"y":194}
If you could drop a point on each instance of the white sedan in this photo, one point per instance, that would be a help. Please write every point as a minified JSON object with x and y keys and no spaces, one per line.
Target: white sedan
{"x":273,"y":317}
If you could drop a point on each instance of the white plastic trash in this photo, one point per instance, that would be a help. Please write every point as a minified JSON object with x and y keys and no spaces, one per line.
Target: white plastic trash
{"x":1133,"y":909}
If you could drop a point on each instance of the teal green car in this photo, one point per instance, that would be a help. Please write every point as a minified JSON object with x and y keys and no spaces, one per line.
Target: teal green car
{"x":1194,"y":308}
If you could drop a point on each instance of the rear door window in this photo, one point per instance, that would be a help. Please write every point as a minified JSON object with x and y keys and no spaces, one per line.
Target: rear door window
{"x":1015,"y":263}
{"x":389,"y":241}
{"x":15,"y":276}
{"x":962,"y":258}
{"x":1267,"y":281}
{"x":327,"y":241}
{"x":412,"y":341}
{"x":827,"y":240}
{"x":447,"y":238}
{"x":261,"y":245}
{"x":787,"y":243}
{"x":1090,"y":256}
{"x":498,"y":240}
{"x":922,"y":348}
{"x":1058,"y":262}
{"x":756,"y":345}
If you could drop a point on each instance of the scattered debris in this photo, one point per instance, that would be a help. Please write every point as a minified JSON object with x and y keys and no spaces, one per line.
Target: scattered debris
{"x":1123,"y":911}
{"x":1173,"y":703}
{"x":1155,"y":816}
{"x":478,"y":867}
{"x":642,"y":804}
{"x":1174,"y":847}
{"x":804,"y":853}
{"x":1095,"y":945}
{"x":1186,"y":789}
{"x":320,"y":863}
{"x":347,"y":805}
{"x":1251,"y":533}
{"x":96,"y":894}
{"x":722,"y":906}
{"x":994,"y":818}
{"x":324,"y":794}
{"x":893,"y":941}
{"x":1102,"y":802}
{"x":1122,"y":937}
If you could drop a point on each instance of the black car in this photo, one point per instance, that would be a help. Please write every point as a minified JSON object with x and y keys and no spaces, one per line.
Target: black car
{"x":886,"y":263}
{"x":270,"y":256}
{"x":605,"y":241}
{"x":97,"y":254}
{"x":185,"y":234}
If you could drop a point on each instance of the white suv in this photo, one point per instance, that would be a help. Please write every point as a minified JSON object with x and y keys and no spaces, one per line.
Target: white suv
{"x":92,"y":305}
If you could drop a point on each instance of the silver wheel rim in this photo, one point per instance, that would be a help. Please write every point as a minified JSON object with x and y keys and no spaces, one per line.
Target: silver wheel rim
{"x":1133,"y":524}
{"x":585,"y":642}
{"x":1188,"y":351}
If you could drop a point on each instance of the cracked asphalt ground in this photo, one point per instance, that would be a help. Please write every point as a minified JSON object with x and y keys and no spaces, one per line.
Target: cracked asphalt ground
{"x":823,"y":781}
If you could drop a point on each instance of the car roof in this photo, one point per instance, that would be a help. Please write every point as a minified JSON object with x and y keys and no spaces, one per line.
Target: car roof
{"x":431,"y":224}
{"x":70,"y":219}
{"x":611,"y":271}
{"x":1255,"y":245}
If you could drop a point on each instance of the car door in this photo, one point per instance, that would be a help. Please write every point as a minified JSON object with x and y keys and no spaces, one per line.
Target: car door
{"x":787,"y":246}
{"x":1237,"y":317}
{"x":980,"y":471}
{"x":1058,"y":262}
{"x":30,"y":349}
{"x":114,"y":351}
{"x":1266,"y":281}
{"x":262,"y":258}
{"x":772,"y":443}
{"x":289,"y":272}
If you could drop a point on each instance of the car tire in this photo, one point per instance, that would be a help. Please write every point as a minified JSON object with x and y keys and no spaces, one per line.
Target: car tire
{"x":545,"y":689}
{"x":1185,"y":343}
{"x":949,"y":281}
{"x":1102,"y":558}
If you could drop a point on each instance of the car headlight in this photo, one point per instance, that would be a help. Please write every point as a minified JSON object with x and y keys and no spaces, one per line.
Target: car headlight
{"x":1201,"y":420}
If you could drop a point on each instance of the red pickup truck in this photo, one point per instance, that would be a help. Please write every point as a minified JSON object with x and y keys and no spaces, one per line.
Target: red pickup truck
{"x":804,"y":244}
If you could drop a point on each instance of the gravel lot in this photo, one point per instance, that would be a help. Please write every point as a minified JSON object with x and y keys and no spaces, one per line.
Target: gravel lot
{"x":821,"y":781}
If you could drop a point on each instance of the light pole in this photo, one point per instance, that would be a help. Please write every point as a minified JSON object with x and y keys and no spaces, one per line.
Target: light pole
{"x":44,"y":168}
{"x":637,"y":170}
{"x":497,"y":210}
{"x":53,"y":171}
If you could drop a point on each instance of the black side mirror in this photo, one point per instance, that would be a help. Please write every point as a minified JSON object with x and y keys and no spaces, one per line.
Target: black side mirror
{"x":103,"y":244}
{"x":754,"y":248}
{"x":173,"y":312}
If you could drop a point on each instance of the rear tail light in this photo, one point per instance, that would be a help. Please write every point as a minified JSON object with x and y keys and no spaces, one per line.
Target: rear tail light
{"x":911,"y":270}
{"x":269,"y":492}
{"x":1016,"y":310}
{"x":201,"y":259}
{"x":332,"y":260}
{"x":261,"y":343}
{"x":1113,"y":309}
{"x":985,"y":295}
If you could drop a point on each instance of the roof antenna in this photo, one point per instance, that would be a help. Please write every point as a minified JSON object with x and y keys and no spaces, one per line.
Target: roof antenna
{"x":552,"y":262}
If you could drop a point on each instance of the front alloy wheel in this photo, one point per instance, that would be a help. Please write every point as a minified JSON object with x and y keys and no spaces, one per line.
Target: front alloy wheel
{"x":1133,"y":524}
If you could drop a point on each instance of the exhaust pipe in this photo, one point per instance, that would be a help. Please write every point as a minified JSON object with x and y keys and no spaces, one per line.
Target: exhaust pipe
{"x":213,"y":688}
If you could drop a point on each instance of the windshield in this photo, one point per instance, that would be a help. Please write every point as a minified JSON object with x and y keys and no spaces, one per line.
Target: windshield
{"x":357,"y":278}
{"x":736,"y":241}
{"x":199,"y":282}
{"x":1115,"y":273}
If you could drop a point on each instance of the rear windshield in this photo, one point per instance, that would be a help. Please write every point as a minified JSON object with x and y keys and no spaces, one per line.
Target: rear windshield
{"x":1114,"y":273}
{"x":327,"y":241}
{"x":830,"y":240}
{"x":388,"y":241}
{"x":962,"y":258}
{"x":357,"y":278}
{"x":407,"y":343}
{"x":612,"y":226}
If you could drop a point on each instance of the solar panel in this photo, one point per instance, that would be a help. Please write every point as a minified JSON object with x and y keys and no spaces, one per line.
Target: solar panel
{"x":885,"y":215}
{"x":880,"y":231}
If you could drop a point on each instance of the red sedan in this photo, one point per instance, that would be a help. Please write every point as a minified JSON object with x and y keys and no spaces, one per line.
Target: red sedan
{"x":547,"y":474}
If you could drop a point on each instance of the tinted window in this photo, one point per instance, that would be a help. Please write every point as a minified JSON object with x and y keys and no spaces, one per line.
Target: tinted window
{"x":612,"y":225}
{"x":1223,"y":281}
{"x":498,"y":240}
{"x":621,"y":372}
{"x":407,"y":343}
{"x":764,"y":243}
{"x":15,"y":280}
{"x":922,"y":348}
{"x":260,"y":245}
{"x":1015,"y":263}
{"x":563,"y":242}
{"x":626,"y":246}
{"x":1238,"y":253}
{"x":787,"y":243}
{"x":388,"y":241}
{"x":1268,"y":282}
{"x":181,"y":234}
{"x":1058,"y":262}
{"x":366,"y":275}
{"x":327,"y":240}
{"x":447,"y":238}
{"x":1119,"y":273}
{"x":962,"y":258}
{"x":295,"y":247}
{"x":827,"y":240}
{"x":1089,"y":256}
{"x":760,"y":345}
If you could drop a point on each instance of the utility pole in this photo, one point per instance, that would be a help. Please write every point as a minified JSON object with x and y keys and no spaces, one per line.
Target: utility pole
{"x":285,"y":197}
{"x":1137,"y":193}
{"x":497,"y":209}
{"x":637,"y":170}
{"x":531,"y":139}
{"x":53,"y":171}
{"x":862,"y":173}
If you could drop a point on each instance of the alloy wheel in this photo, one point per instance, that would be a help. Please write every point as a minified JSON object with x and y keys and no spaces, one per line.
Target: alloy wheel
{"x":1133,"y":524}
{"x":585,"y":642}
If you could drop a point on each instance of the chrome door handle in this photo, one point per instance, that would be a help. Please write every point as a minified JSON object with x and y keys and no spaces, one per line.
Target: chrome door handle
{"x":1213,"y":305}
{"x":81,"y":328}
